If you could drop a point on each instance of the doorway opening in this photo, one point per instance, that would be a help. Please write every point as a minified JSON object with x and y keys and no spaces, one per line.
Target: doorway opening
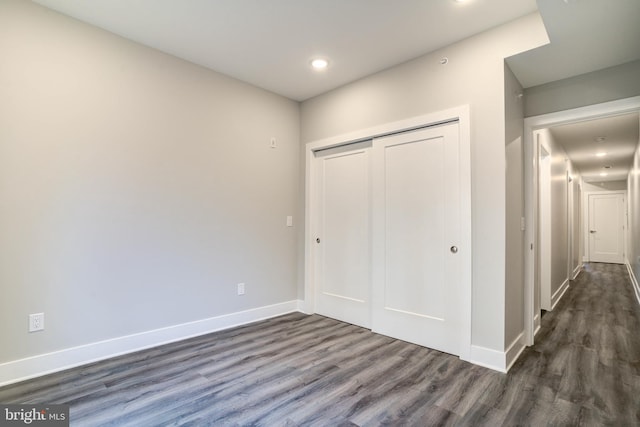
{"x":533,"y":206}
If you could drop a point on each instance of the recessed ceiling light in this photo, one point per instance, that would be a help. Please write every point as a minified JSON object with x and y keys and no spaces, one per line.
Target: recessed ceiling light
{"x":603,"y":174}
{"x":601,"y":154}
{"x":600,"y":138}
{"x":319,"y":64}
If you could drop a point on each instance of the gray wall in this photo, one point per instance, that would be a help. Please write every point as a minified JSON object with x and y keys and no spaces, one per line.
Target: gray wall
{"x":576,"y":245}
{"x":473,"y":76}
{"x":560,"y":165}
{"x":559,"y":217}
{"x":592,"y":88}
{"x":136,"y":189}
{"x":633,"y":256}
{"x":514,"y":190}
{"x":604,"y":186}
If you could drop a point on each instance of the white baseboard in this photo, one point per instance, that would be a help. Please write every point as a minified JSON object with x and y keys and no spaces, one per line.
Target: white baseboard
{"x":500,"y":361}
{"x":42,"y":364}
{"x":537,"y":324}
{"x":576,"y":271}
{"x":634,"y":281}
{"x":489,"y":358}
{"x":555,"y":298}
{"x":514,"y":350}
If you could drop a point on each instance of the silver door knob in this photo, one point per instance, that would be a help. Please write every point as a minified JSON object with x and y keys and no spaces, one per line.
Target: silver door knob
{"x":318,"y":240}
{"x":454,"y":249}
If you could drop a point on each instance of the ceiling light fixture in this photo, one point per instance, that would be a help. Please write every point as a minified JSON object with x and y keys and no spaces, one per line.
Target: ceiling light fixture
{"x":319,"y":64}
{"x":601,"y":154}
{"x":603,"y":174}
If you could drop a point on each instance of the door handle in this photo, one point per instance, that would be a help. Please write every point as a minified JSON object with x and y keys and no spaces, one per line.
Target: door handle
{"x":454,"y":249}
{"x":318,"y":240}
{"x":592,"y":231}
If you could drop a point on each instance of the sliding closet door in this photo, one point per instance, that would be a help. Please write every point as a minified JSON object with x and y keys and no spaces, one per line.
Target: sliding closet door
{"x":342,"y":238}
{"x":416,"y":229}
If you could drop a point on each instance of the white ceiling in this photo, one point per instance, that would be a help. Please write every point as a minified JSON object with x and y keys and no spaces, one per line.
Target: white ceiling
{"x":580,"y":142}
{"x":269,"y":43}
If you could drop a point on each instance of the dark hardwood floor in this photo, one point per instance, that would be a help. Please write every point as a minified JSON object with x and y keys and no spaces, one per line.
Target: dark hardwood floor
{"x":311,"y":370}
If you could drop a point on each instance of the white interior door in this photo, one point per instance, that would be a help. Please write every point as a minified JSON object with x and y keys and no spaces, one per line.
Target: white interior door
{"x":416,"y":237}
{"x":343,"y":250}
{"x":606,"y":228}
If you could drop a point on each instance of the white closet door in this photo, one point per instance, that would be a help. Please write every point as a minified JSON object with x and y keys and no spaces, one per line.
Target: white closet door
{"x":343,"y":254}
{"x":416,"y":231}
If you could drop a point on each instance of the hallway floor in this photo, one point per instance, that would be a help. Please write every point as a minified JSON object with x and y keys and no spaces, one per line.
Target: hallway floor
{"x":586,"y":361}
{"x":300,"y":370}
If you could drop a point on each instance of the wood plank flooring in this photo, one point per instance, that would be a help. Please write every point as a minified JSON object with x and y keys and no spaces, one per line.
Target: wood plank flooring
{"x":298,"y":370}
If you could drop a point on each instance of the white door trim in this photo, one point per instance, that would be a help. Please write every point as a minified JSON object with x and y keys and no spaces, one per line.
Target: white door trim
{"x":531,"y":124}
{"x":462,"y":115}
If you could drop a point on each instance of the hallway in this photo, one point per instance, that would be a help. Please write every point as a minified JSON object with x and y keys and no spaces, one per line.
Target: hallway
{"x":586,"y":363}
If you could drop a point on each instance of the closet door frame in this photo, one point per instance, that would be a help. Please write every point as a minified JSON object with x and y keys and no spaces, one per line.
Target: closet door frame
{"x":461,"y":115}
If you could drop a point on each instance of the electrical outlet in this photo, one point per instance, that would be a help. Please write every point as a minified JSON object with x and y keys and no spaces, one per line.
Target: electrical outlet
{"x":36,"y":322}
{"x":240,"y":288}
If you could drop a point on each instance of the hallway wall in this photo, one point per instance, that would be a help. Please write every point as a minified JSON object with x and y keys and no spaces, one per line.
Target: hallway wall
{"x":633,"y":254}
{"x":560,"y":167}
{"x":514,"y":257}
{"x":136,"y":189}
{"x":576,"y":211}
{"x":593,"y":187}
{"x":613,"y":83}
